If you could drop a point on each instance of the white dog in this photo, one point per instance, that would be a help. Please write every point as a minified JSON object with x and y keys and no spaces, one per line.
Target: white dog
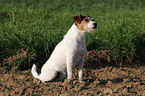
{"x":68,"y":53}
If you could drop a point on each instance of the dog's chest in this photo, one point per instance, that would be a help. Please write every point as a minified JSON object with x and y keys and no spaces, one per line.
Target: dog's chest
{"x":79,"y":53}
{"x":80,"y":47}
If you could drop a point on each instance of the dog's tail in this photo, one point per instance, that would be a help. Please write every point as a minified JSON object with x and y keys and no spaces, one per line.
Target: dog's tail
{"x":34,"y":72}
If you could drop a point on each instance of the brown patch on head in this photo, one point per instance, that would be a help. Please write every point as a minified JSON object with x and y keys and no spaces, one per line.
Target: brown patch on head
{"x":78,"y":19}
{"x":81,"y":21}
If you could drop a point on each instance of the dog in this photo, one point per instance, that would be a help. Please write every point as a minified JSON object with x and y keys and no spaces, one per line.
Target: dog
{"x":68,"y":53}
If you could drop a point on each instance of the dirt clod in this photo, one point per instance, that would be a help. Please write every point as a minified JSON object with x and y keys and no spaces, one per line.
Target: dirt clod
{"x":108,"y":81}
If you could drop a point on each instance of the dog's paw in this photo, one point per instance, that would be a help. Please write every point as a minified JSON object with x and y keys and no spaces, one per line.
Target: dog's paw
{"x":68,"y":81}
{"x":81,"y":81}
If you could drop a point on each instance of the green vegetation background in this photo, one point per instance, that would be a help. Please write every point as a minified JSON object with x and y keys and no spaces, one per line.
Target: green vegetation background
{"x":30,"y":29}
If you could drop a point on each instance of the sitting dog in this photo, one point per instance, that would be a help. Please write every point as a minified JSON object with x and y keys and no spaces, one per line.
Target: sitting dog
{"x":68,"y":53}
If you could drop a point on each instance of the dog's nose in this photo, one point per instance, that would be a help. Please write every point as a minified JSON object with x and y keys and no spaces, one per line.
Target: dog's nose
{"x":95,"y":25}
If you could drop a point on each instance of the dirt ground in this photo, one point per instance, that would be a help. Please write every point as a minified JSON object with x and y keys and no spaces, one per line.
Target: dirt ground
{"x":111,"y":81}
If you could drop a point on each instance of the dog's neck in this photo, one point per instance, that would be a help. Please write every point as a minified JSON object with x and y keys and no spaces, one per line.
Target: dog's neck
{"x":76,"y":34}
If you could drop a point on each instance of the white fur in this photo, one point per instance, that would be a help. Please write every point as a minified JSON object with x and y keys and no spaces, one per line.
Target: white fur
{"x":69,"y":52}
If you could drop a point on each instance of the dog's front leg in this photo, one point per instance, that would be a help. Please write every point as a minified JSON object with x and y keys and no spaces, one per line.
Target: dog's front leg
{"x":80,"y":68}
{"x":69,"y":65}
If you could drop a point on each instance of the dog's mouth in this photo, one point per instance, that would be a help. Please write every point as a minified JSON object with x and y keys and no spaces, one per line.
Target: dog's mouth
{"x":94,"y":27}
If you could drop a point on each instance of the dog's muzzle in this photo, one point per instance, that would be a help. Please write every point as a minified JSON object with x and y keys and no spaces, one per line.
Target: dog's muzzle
{"x":95,"y":25}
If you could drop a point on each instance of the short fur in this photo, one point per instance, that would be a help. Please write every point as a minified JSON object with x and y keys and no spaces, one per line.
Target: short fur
{"x":68,"y":53}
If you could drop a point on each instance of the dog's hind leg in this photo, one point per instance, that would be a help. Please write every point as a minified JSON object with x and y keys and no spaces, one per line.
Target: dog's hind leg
{"x":48,"y":76}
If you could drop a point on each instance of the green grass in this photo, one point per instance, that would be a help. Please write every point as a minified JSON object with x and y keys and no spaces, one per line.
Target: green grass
{"x":33,"y":28}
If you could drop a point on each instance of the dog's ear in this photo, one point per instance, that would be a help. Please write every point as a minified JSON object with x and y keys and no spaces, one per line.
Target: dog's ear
{"x":78,"y":19}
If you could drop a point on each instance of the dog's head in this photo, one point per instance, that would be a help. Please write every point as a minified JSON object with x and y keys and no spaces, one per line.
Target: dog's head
{"x":85,"y":23}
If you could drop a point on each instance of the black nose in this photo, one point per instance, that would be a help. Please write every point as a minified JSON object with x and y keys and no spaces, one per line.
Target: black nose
{"x":95,"y":25}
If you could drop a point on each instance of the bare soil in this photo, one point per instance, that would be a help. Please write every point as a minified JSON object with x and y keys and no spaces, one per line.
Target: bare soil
{"x":123,"y":81}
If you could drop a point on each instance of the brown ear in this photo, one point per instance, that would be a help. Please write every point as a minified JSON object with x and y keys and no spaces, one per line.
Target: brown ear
{"x":78,"y":18}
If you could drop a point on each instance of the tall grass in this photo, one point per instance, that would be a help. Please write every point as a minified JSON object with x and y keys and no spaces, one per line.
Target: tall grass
{"x":31,"y":29}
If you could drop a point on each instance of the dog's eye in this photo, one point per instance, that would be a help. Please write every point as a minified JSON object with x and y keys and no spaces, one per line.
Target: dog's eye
{"x":87,"y":20}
